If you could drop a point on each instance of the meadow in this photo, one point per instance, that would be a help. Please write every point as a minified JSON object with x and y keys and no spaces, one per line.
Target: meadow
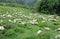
{"x":22,"y":23}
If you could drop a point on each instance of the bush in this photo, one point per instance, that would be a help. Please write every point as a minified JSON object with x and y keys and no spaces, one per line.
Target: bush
{"x":49,"y":5}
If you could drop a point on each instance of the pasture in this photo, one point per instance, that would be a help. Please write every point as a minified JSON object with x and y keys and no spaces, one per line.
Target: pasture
{"x":21,"y":23}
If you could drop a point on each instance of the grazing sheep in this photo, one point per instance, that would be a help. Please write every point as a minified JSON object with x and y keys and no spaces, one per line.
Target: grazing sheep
{"x":23,"y":23}
{"x":51,"y":16}
{"x":54,"y":20}
{"x":15,"y":20}
{"x":57,"y":37}
{"x":58,"y":29}
{"x":33,"y":22}
{"x":38,"y":32}
{"x":47,"y":28}
{"x":8,"y":16}
{"x":2,"y":28}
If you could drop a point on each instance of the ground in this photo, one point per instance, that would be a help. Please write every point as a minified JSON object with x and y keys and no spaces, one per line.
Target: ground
{"x":23,"y":24}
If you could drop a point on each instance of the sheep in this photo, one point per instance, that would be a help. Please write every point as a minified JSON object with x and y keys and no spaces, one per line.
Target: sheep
{"x":47,"y":28}
{"x":38,"y":32}
{"x":57,"y":37}
{"x":58,"y":29}
{"x":15,"y":20}
{"x":2,"y":28}
{"x":33,"y":22}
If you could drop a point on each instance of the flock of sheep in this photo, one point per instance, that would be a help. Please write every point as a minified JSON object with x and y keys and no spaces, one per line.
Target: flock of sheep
{"x":31,"y":18}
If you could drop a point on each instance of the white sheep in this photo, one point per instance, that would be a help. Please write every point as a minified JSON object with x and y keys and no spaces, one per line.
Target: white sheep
{"x":2,"y":28}
{"x":47,"y":28}
{"x":38,"y":32}
{"x":57,"y":37}
{"x":15,"y":20}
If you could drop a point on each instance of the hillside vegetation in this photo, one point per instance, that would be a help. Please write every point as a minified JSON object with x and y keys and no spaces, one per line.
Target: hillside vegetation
{"x":25,"y":22}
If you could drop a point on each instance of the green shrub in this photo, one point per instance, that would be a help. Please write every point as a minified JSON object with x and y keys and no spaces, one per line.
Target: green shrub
{"x":48,"y":5}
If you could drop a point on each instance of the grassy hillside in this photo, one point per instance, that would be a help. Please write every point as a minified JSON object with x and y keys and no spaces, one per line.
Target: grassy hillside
{"x":21,"y":23}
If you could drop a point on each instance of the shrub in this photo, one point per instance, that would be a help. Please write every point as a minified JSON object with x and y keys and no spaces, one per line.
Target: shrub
{"x":49,"y":5}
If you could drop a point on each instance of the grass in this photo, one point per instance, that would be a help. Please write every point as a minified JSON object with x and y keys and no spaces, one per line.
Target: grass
{"x":28,"y":31}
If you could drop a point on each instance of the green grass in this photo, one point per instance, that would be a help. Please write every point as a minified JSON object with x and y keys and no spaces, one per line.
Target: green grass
{"x":28,"y":31}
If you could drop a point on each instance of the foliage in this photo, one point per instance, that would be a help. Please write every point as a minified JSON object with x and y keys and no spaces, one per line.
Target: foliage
{"x":50,"y":5}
